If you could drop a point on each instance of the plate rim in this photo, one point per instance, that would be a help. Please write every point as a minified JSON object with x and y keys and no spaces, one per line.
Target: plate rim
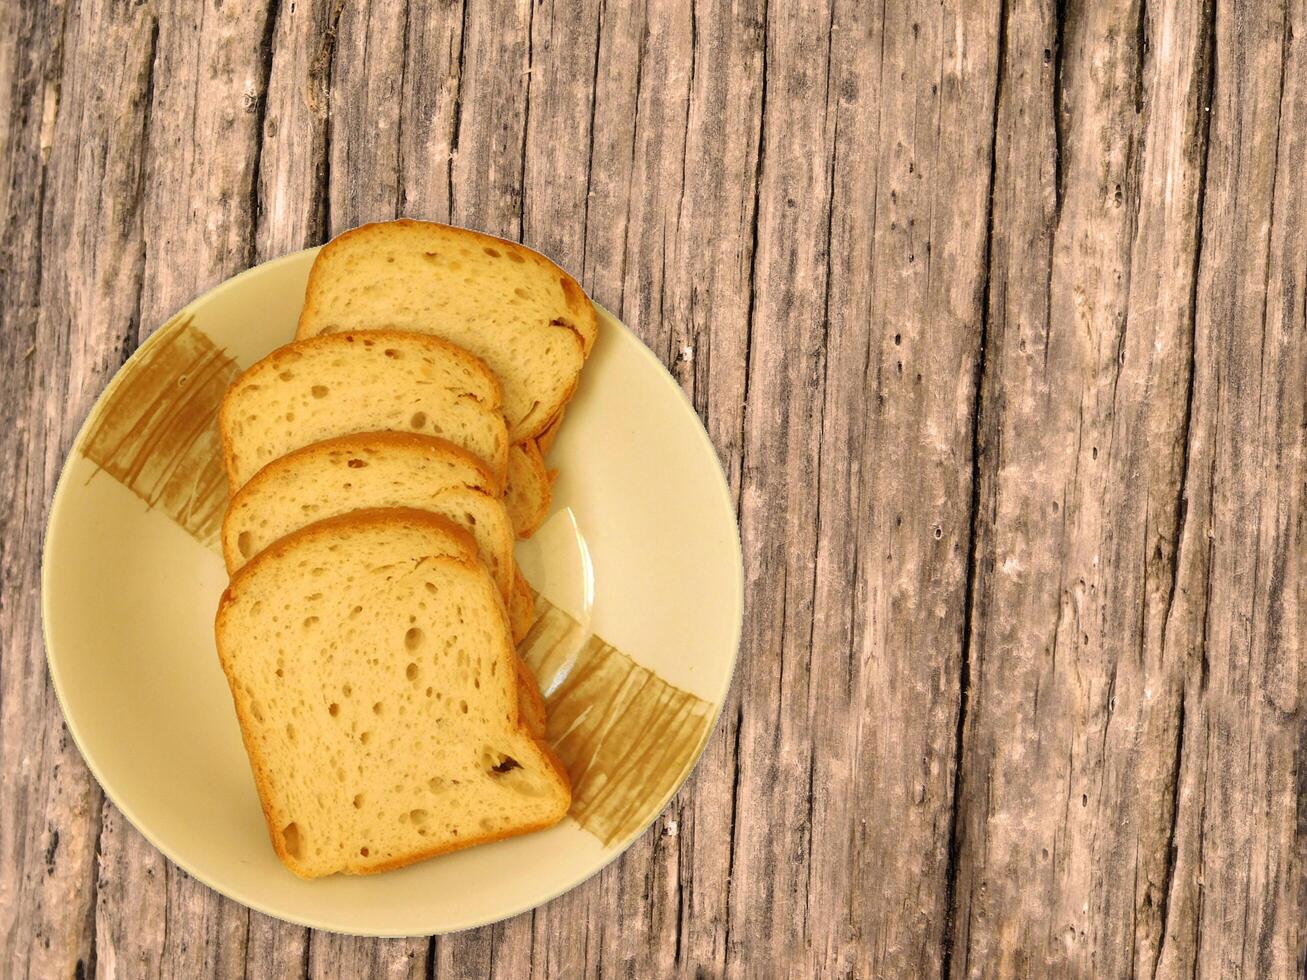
{"x":721,"y":487}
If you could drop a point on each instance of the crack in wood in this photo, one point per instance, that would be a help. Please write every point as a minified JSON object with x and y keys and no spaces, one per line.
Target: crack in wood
{"x":953,"y":922}
{"x":1059,"y":122}
{"x":761,"y":149}
{"x":457,"y":126}
{"x":401,"y":187}
{"x":321,"y":74}
{"x":266,"y":54}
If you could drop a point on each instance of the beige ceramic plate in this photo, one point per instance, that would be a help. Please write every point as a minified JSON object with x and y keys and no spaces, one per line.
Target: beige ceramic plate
{"x":131,"y":581}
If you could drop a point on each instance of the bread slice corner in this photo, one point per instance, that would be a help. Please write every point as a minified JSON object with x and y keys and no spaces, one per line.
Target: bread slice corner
{"x":529,"y":492}
{"x":359,"y":381}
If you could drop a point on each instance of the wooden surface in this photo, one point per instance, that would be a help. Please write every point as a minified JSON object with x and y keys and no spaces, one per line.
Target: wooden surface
{"x":997,"y":317}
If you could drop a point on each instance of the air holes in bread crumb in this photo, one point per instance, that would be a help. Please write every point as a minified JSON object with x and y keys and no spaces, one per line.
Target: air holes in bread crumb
{"x":244,"y":543}
{"x":521,"y":293}
{"x":310,"y":622}
{"x":376,"y":708}
{"x":290,"y":839}
{"x":347,"y":690}
{"x":413,"y":638}
{"x":333,"y":709}
{"x":256,"y":710}
{"x":363,"y":852}
{"x":519,"y":259}
{"x":358,"y":802}
{"x":411,"y":671}
{"x":391,"y":353}
{"x":419,"y":420}
{"x":286,"y":376}
{"x":319,"y":391}
{"x":492,"y":252}
{"x":357,"y":464}
{"x":462,"y":706}
{"x":365,"y":738}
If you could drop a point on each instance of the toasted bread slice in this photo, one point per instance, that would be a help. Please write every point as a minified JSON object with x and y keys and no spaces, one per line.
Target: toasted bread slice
{"x":339,"y":384}
{"x":376,"y":686}
{"x":521,"y":607}
{"x":510,"y":306}
{"x":530,"y":702}
{"x":365,"y":471}
{"x":529,"y":492}
{"x":545,"y":441}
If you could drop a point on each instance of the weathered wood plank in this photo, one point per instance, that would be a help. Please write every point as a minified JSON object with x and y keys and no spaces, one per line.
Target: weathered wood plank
{"x":779,"y":511}
{"x":332,"y":956}
{"x":913,"y":130}
{"x":292,"y":188}
{"x":431,"y":109}
{"x":368,"y":73}
{"x":489,"y":117}
{"x":1237,"y":901}
{"x":1067,"y":786}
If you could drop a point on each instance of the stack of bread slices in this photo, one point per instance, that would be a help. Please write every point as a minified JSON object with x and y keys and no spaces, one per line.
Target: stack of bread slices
{"x":381,"y":467}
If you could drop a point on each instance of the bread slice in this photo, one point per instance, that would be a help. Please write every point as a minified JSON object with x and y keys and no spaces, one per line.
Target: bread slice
{"x":530,"y":702}
{"x":375,"y":683}
{"x":330,"y":386}
{"x":529,"y":492}
{"x":521,"y":607}
{"x":369,"y":470}
{"x":511,"y":307}
{"x":545,"y":441}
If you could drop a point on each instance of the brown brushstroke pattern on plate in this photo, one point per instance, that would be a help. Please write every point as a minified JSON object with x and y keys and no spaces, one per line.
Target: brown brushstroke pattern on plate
{"x":156,"y":432}
{"x":626,"y":736}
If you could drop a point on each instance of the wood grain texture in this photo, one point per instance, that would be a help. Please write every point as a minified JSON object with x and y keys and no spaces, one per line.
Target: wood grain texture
{"x":997,"y":316}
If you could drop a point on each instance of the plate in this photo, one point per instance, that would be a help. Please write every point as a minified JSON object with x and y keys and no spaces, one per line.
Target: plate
{"x":642,"y":552}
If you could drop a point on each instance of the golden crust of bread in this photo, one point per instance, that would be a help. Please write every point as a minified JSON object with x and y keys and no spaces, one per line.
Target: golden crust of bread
{"x":529,"y":491}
